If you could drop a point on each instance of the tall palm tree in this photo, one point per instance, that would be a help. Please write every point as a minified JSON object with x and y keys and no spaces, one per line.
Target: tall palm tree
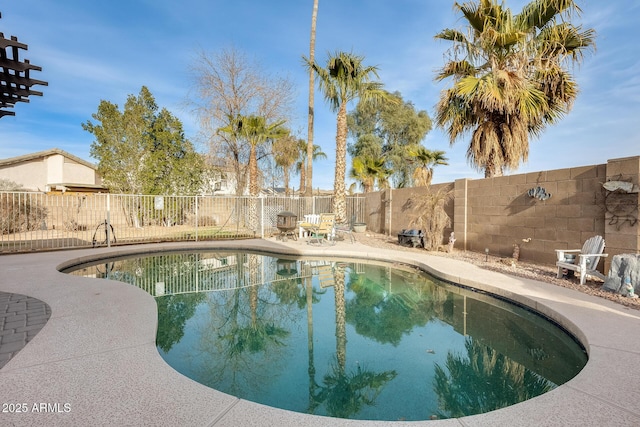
{"x":510,"y":77}
{"x":310,"y":147}
{"x":302,"y":160}
{"x":426,"y":160}
{"x":368,"y":170}
{"x":345,"y":79}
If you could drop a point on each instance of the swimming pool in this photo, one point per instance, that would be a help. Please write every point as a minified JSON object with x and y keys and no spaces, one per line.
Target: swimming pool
{"x":343,"y":338}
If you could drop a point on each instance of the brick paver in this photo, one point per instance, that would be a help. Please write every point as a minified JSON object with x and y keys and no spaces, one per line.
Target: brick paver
{"x":21,"y":318}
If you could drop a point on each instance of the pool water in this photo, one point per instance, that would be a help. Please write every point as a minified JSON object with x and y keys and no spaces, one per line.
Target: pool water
{"x":345,"y":339}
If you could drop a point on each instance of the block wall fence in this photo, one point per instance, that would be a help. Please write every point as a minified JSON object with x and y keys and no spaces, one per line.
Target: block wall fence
{"x":496,"y":213}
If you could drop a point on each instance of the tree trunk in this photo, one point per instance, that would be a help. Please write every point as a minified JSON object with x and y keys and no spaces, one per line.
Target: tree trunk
{"x":253,"y":172}
{"x":308,"y":192}
{"x":253,"y":189}
{"x":492,"y":169}
{"x":303,"y":181}
{"x":340,"y":193}
{"x":286,"y":181}
{"x":341,"y":315}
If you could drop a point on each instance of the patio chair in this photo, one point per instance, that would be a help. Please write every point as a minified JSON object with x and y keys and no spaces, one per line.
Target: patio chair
{"x":322,"y":233}
{"x":584,"y":261}
{"x":347,"y":228}
{"x":310,"y":220}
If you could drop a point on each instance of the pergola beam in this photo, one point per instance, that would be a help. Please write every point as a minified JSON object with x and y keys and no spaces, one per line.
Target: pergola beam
{"x":15,"y":83}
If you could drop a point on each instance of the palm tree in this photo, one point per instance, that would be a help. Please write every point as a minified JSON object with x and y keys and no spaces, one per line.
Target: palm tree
{"x":345,"y":79}
{"x":509,"y":77}
{"x":426,"y":161}
{"x":310,"y":147}
{"x":369,"y":170}
{"x":256,"y":131}
{"x":285,"y":151}
{"x":302,"y":160}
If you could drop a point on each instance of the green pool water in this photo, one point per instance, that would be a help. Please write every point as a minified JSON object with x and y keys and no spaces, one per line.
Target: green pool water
{"x":345,"y":339}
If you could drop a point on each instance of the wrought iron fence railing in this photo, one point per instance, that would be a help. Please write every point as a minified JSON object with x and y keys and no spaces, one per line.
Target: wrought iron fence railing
{"x":36,"y":221}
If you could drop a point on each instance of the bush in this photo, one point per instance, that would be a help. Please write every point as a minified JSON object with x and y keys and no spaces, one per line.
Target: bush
{"x":207,"y":221}
{"x":20,"y":214}
{"x":431,"y":217}
{"x":7,"y":185}
{"x":72,"y":225}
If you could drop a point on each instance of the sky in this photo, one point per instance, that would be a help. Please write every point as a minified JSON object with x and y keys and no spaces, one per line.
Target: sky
{"x":106,"y":50}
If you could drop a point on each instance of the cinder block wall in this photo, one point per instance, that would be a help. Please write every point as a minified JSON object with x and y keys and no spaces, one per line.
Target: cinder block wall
{"x":622,"y":231}
{"x":391,"y":210}
{"x":496,"y":213}
{"x":500,"y":213}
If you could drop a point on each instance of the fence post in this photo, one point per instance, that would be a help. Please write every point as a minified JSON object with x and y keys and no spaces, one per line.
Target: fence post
{"x":108,"y":222}
{"x":390,"y":209}
{"x":196,"y":217}
{"x":262,"y":217}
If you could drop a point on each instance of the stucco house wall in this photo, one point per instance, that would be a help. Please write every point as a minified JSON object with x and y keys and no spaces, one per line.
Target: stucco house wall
{"x":51,"y":171}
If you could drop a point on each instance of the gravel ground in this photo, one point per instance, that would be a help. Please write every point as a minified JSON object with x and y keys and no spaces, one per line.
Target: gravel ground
{"x":542,"y":273}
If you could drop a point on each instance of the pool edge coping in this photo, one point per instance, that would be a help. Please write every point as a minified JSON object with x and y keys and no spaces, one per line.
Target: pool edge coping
{"x":424,"y":261}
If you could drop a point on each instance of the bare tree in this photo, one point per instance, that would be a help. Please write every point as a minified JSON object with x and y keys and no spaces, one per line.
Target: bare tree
{"x":227,"y":85}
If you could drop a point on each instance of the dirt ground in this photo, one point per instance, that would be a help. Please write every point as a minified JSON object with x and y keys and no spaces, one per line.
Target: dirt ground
{"x":543,"y":273}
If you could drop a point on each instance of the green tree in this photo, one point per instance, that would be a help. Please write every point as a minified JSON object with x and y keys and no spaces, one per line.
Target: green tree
{"x":425,"y":160}
{"x":345,"y":79}
{"x":143,"y":150}
{"x":389,"y":130}
{"x":510,"y":77}
{"x":368,"y":171}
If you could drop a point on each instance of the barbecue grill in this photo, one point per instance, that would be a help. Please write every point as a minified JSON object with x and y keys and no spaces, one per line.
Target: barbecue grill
{"x":413,"y":238}
{"x":287,"y":223}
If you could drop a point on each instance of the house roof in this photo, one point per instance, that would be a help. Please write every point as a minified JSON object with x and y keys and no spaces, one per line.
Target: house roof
{"x":45,"y":153}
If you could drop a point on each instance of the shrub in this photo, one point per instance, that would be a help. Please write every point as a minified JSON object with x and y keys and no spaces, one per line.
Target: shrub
{"x":431,"y":217}
{"x":19,"y":214}
{"x":8,"y":185}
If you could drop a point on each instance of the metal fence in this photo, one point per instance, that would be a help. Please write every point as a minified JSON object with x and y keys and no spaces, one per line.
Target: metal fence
{"x":36,"y":221}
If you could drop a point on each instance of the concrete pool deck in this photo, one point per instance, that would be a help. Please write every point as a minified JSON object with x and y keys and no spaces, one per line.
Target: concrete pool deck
{"x":95,"y":361}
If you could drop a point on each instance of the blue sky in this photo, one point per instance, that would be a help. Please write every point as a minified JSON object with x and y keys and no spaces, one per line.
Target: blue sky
{"x":95,"y":50}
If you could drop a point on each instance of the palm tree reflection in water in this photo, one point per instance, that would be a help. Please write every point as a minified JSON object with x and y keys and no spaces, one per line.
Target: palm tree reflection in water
{"x":390,"y":343}
{"x":483,"y":381}
{"x":345,"y":393}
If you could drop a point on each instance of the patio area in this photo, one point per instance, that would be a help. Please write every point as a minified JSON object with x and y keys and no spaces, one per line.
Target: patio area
{"x":95,"y":361}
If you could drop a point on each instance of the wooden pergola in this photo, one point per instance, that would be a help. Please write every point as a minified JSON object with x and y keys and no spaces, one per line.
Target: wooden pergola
{"x":15,"y":82}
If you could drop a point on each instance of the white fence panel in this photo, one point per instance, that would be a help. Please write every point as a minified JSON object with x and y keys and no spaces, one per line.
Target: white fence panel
{"x":36,"y":221}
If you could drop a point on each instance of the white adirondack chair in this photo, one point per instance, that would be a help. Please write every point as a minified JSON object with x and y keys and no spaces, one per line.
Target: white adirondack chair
{"x":323,"y":232}
{"x":586,"y":260}
{"x":310,"y":220}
